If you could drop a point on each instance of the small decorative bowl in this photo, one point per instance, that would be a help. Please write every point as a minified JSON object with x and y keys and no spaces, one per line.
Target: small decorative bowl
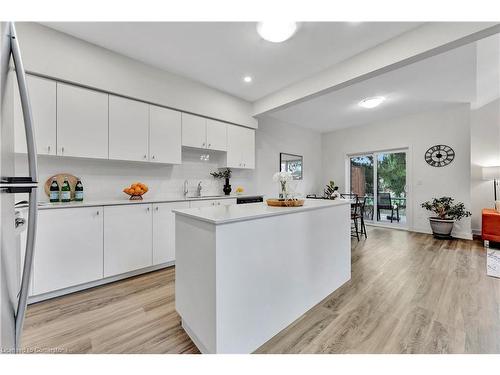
{"x":136,"y":191}
{"x":135,"y":197}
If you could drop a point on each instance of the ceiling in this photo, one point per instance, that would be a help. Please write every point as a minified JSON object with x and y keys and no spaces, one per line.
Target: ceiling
{"x":435,"y":82}
{"x":219,"y":54}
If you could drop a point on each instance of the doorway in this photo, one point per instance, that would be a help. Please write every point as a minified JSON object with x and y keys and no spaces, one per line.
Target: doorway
{"x":381,"y":178}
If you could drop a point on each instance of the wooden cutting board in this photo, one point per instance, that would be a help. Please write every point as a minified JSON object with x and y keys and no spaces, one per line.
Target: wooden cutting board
{"x":285,"y":203}
{"x":60,"y":179}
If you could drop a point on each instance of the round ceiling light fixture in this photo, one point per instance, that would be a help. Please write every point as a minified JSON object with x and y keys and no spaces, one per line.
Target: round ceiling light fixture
{"x":247,"y":79}
{"x":276,"y":32}
{"x":371,"y":102}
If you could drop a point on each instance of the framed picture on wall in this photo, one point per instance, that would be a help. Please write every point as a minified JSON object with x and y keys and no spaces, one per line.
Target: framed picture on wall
{"x":291,"y":163}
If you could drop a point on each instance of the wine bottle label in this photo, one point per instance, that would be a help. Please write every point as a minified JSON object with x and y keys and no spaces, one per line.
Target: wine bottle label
{"x":79,"y":195}
{"x":65,"y":195}
{"x":54,"y":195}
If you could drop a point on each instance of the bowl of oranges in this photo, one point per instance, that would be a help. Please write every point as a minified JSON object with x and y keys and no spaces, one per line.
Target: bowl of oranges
{"x":136,"y":190}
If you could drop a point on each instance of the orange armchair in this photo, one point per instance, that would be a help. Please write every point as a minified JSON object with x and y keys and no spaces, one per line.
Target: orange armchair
{"x":491,"y":225}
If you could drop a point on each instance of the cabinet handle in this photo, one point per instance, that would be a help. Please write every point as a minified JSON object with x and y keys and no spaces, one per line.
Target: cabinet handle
{"x":62,"y":150}
{"x":48,"y":149}
{"x":209,"y":144}
{"x":145,"y":156}
{"x":203,"y":144}
{"x":153,"y":157}
{"x":147,"y":209}
{"x":157,"y":209}
{"x":97,"y":213}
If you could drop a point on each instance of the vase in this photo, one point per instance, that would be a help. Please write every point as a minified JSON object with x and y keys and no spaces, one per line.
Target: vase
{"x":283,"y":190}
{"x":441,"y":228}
{"x":227,"y":187}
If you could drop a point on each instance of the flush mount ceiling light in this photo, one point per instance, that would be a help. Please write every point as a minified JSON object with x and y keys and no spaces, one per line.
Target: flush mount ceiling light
{"x":247,"y":79}
{"x":371,"y":102}
{"x":276,"y":32}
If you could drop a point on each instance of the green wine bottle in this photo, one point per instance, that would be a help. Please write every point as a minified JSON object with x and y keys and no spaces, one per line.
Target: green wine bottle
{"x":65,"y":191}
{"x":54,"y":190}
{"x":79,"y":190}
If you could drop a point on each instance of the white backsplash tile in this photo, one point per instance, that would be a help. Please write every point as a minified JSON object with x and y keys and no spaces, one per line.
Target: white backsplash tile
{"x":105,"y":179}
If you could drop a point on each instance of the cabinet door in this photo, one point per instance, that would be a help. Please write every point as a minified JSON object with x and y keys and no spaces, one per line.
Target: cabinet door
{"x":216,"y":135}
{"x":225,"y":202}
{"x":82,"y":122}
{"x":69,"y":248}
{"x":194,"y":131}
{"x":127,"y":238}
{"x":164,"y":231}
{"x":202,"y":203}
{"x":42,"y":93}
{"x":165,"y":129}
{"x":128,"y":129}
{"x":248,"y":148}
{"x":234,"y":147}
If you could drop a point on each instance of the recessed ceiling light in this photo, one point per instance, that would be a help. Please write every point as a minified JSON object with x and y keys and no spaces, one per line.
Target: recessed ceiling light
{"x":276,"y":32}
{"x":371,"y":102}
{"x":247,"y":79}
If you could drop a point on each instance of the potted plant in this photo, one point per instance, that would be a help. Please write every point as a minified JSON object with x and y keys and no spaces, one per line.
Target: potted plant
{"x":331,"y":191}
{"x":447,"y":213}
{"x":226,"y":174}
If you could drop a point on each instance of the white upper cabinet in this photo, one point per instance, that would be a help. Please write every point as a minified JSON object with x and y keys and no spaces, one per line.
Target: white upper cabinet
{"x":165,"y":128}
{"x":240,"y":147}
{"x":216,"y":135}
{"x":42,"y":94}
{"x":82,"y":122}
{"x":194,"y":131}
{"x":128,"y":129}
{"x":128,"y":240}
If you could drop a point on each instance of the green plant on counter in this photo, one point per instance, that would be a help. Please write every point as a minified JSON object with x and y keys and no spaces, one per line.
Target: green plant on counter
{"x":330,"y":191}
{"x":221,"y":174}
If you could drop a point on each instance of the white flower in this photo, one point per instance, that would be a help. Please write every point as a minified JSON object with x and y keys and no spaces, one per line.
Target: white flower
{"x":282,"y":177}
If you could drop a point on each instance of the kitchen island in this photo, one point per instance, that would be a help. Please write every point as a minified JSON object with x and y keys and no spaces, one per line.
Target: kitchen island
{"x":245,"y":272}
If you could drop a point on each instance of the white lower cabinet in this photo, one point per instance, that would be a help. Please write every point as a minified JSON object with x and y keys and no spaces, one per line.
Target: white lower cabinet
{"x":164,"y":231}
{"x":69,"y":248}
{"x":213,"y":202}
{"x":128,"y":240}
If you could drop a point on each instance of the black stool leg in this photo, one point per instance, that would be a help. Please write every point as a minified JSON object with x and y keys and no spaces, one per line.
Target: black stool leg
{"x":356,"y":226}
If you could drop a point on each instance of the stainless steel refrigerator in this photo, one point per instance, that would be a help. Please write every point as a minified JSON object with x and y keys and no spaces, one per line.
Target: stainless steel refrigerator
{"x":14,"y":277}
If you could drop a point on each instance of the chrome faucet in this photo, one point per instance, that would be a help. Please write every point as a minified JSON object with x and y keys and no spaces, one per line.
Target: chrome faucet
{"x":185,"y":188}
{"x":198,"y":189}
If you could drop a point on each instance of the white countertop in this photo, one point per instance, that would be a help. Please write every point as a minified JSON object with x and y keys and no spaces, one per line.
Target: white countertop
{"x":115,"y":202}
{"x":242,"y":212}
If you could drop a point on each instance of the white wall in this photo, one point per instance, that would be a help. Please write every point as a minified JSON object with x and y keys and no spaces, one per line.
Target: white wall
{"x":485,"y":151}
{"x":275,"y":136}
{"x":55,"y":54}
{"x":485,"y":125}
{"x":449,"y":125}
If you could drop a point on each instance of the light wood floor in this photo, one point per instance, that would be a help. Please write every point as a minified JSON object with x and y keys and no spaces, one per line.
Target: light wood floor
{"x":409,"y":293}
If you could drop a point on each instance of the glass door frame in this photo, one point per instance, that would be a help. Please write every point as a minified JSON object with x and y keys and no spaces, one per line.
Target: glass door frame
{"x":374,"y":155}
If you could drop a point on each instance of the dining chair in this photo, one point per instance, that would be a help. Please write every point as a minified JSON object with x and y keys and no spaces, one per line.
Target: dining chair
{"x":384,"y":202}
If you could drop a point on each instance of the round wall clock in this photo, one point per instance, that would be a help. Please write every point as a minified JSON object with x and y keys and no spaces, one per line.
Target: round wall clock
{"x":439,"y":155}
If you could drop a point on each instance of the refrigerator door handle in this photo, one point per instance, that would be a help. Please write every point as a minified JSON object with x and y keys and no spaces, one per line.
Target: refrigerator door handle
{"x":33,"y":173}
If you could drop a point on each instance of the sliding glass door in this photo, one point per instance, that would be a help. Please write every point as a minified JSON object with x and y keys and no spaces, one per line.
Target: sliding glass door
{"x":381,"y":179}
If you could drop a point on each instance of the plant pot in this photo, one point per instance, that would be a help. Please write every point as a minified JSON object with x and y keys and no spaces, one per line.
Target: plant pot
{"x":227,"y":188}
{"x":441,"y":228}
